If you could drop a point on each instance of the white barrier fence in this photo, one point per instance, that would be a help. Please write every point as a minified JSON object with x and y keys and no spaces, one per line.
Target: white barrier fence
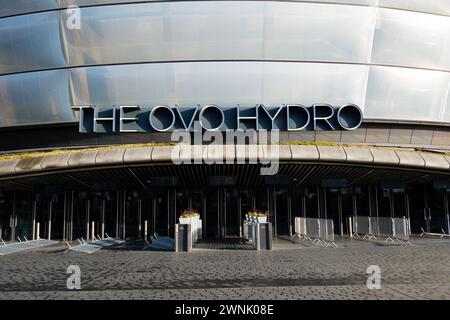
{"x":316,"y":230}
{"x":373,"y":227}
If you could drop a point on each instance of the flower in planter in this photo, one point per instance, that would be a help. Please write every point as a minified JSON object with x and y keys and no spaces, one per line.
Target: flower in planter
{"x":189,"y":213}
{"x":258,"y":213}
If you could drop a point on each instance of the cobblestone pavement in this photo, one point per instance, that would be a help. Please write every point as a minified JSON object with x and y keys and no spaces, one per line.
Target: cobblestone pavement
{"x":291,"y":271}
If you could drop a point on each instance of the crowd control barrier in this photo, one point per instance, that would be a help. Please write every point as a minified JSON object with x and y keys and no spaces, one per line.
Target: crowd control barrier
{"x":319,"y":231}
{"x":392,"y":229}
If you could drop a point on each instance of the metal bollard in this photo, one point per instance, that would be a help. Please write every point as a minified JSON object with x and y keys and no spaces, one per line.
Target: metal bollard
{"x":183,"y":237}
{"x":350,"y":227}
{"x":37,"y":230}
{"x":263,"y":236}
{"x":145,"y":229}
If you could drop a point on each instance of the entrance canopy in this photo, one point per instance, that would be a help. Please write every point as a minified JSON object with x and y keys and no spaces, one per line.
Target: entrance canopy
{"x":149,"y":167}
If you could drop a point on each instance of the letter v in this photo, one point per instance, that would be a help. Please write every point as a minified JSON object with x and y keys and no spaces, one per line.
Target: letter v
{"x":184,"y":122}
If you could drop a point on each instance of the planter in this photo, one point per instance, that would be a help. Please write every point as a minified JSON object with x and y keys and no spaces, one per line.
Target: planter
{"x":185,"y":220}
{"x":262,"y":219}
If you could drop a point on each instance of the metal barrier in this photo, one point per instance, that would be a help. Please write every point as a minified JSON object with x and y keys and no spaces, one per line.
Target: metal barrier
{"x":319,"y":231}
{"x":393,"y":229}
{"x":434,"y":234}
{"x":96,"y":245}
{"x":8,"y":248}
{"x":160,"y":243}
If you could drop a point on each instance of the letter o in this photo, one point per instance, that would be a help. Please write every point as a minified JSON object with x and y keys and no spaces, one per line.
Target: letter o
{"x":200,"y":116}
{"x":349,"y":116}
{"x":152,"y":115}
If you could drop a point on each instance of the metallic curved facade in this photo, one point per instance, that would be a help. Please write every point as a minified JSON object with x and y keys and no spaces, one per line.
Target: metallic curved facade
{"x":391,"y":58}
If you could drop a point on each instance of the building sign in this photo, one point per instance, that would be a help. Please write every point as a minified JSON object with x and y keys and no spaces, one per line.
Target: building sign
{"x":162,"y":118}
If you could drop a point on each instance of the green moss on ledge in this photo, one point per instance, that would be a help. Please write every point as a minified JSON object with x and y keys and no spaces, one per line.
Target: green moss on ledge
{"x":312,"y":143}
{"x":36,"y":154}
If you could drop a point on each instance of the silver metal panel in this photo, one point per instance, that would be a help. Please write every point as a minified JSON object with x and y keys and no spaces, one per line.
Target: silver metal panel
{"x":167,"y":32}
{"x":210,"y":30}
{"x":318,"y":32}
{"x":410,"y":159}
{"x":8,"y":166}
{"x":446,"y":113}
{"x":247,"y":152}
{"x":400,"y":136}
{"x":165,"y":153}
{"x":358,"y":135}
{"x":441,"y":137}
{"x":331,"y":153}
{"x":225,"y":83}
{"x":38,"y":97}
{"x":274,"y":152}
{"x":358,"y":154}
{"x":285,"y":152}
{"x":304,"y":152}
{"x":435,"y":161}
{"x":377,"y":134}
{"x":84,"y":158}
{"x":191,"y":153}
{"x":217,"y":30}
{"x":434,"y":6}
{"x":140,"y":154}
{"x":421,"y":136}
{"x":385,"y":156}
{"x":312,"y":82}
{"x":30,"y":42}
{"x":215,"y":152}
{"x":412,"y":39}
{"x":302,"y":135}
{"x":29,"y":164}
{"x":114,"y":156}
{"x":406,"y":94}
{"x":328,"y":136}
{"x":56,"y":161}
{"x":11,"y":7}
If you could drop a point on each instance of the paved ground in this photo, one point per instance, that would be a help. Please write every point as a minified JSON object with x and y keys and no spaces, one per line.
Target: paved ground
{"x":291,"y":271}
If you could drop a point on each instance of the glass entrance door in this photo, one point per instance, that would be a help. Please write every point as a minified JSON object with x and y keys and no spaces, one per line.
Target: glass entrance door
{"x":230,"y":213}
{"x":222,"y":213}
{"x":281,"y":212}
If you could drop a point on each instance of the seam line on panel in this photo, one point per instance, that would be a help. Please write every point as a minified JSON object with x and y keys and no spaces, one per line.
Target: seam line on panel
{"x":225,"y":60}
{"x":160,"y":1}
